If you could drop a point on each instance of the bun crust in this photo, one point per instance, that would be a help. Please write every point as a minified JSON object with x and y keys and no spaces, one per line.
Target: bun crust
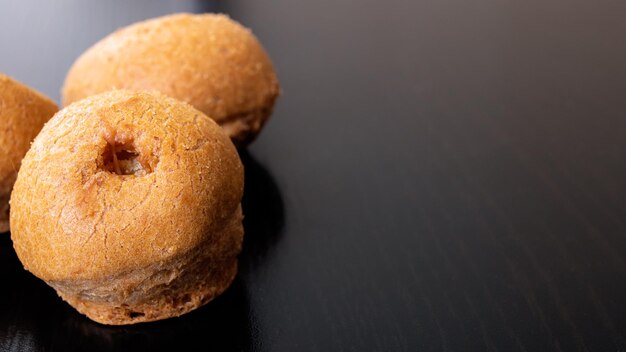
{"x":128,"y":204}
{"x":23,"y":112}
{"x":208,"y":61}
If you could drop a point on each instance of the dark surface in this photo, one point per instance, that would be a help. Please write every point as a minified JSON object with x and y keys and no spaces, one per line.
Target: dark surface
{"x":437,"y":176}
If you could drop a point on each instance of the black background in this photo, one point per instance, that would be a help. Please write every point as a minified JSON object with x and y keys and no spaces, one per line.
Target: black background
{"x":439,"y":175}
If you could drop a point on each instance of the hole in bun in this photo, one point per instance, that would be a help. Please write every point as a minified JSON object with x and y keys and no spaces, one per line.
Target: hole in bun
{"x":121,"y":157}
{"x":134,"y":315}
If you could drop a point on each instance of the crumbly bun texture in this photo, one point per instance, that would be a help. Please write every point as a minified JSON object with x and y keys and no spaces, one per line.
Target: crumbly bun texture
{"x":23,"y":112}
{"x":208,"y":61}
{"x":128,"y":204}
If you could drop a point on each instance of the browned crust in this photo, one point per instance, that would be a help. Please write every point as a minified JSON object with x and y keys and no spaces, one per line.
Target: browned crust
{"x":162,"y":290}
{"x":23,"y":112}
{"x":111,"y":244}
{"x":243,"y":128}
{"x":208,"y":60}
{"x":71,"y":219}
{"x":169,"y":305}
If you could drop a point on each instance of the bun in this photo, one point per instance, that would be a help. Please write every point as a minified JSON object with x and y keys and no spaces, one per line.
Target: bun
{"x":23,"y":112}
{"x":208,"y":61}
{"x":128,"y":204}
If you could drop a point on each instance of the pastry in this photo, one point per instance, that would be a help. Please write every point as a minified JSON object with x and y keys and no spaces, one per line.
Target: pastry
{"x":129,"y":205}
{"x":23,"y":112}
{"x":208,"y":61}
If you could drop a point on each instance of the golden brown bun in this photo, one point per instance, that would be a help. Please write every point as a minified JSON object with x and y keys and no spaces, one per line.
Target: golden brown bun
{"x":23,"y":111}
{"x":209,"y":61}
{"x":128,"y":204}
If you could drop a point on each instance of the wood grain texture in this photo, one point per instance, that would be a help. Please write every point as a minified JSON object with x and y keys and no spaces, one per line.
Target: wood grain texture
{"x":437,"y":176}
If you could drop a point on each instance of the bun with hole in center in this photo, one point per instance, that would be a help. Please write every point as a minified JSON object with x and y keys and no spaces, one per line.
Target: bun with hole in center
{"x":23,"y":112}
{"x":208,"y":61}
{"x":128,"y":204}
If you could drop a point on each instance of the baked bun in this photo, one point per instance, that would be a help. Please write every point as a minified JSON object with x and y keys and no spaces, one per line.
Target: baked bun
{"x":128,"y":204}
{"x":208,"y":61}
{"x":23,"y":112}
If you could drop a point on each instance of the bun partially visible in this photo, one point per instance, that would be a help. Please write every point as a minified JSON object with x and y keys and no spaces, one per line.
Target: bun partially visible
{"x":23,"y":112}
{"x":208,"y":61}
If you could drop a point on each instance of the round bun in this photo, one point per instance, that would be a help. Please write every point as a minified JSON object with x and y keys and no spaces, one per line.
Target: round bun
{"x":23,"y":112}
{"x":129,"y":205}
{"x":208,"y":61}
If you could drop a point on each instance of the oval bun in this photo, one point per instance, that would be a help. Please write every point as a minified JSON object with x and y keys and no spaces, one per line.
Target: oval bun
{"x":208,"y":61}
{"x":128,"y":204}
{"x":23,"y":112}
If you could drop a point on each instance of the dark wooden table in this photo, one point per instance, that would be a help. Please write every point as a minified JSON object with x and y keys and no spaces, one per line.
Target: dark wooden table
{"x":438,"y":176}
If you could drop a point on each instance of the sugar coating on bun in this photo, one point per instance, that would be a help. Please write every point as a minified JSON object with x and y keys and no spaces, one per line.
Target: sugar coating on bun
{"x":128,"y":204}
{"x":208,"y":61}
{"x":23,"y":112}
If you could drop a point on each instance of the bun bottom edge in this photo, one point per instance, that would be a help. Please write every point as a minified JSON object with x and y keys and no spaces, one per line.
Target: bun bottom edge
{"x":4,"y":225}
{"x":172,"y":303}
